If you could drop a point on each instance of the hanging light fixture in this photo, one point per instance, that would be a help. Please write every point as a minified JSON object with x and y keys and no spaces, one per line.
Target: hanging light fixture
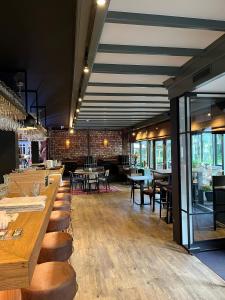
{"x":80,"y":99}
{"x":77,"y":110}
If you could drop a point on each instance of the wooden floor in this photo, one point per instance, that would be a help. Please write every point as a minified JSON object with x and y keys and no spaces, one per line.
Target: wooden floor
{"x":125,"y":252}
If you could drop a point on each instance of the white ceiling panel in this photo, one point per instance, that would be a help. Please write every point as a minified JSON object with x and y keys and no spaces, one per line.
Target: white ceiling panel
{"x":127,"y":98}
{"x":214,"y":86}
{"x":123,"y":34}
{"x":128,"y":78}
{"x":147,"y":105}
{"x":141,"y":90}
{"x":205,"y":9}
{"x":83,"y":109}
{"x":145,"y":60}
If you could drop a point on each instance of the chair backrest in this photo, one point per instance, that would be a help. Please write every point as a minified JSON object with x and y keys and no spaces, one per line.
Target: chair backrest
{"x":71,"y":174}
{"x":93,"y":176}
{"x":107,"y":173}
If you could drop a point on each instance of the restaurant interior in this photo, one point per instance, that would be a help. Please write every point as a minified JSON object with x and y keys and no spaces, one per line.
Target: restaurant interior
{"x":112,"y":134}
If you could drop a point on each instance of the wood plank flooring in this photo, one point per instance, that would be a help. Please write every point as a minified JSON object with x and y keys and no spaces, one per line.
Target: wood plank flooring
{"x":124,"y":252}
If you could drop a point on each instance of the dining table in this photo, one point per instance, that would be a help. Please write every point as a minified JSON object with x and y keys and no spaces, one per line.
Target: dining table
{"x":140,"y":179}
{"x":87,"y":173}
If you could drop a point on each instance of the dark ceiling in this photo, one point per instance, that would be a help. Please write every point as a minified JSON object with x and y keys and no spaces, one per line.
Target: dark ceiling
{"x":38,"y":36}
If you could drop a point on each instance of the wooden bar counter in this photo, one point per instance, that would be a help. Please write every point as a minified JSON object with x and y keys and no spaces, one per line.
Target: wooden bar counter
{"x":19,"y":257}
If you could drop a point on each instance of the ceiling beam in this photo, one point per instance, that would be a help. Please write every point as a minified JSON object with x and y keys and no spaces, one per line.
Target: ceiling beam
{"x":108,"y":84}
{"x":148,"y":50}
{"x":135,"y":69}
{"x":164,"y":21}
{"x":199,"y":69}
{"x":125,"y":94}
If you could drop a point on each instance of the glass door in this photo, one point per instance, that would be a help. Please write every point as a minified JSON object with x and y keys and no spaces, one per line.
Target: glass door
{"x":202,"y":180}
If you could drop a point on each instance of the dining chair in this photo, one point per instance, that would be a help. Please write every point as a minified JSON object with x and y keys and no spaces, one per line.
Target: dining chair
{"x":92,"y":179}
{"x":76,"y":179}
{"x":104,"y":179}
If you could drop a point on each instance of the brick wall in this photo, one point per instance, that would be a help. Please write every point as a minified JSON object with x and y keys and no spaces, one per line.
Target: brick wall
{"x":78,"y":149}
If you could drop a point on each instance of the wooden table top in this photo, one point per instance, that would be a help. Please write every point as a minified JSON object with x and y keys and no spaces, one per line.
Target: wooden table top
{"x":19,"y":257}
{"x":139,"y":178}
{"x":162,"y":171}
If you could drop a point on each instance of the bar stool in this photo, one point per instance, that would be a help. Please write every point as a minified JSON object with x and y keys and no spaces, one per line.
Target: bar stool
{"x":63,"y":196}
{"x":62,"y":205}
{"x":56,"y":246}
{"x":64,"y":189}
{"x":59,"y":221}
{"x":65,"y":183}
{"x":52,"y":281}
{"x":149,"y":192}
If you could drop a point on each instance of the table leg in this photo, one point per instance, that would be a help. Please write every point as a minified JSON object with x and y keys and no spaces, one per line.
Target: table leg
{"x":141,"y":193}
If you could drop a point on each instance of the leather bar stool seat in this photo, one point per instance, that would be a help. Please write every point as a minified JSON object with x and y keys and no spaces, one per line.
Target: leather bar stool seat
{"x":62,"y":205}
{"x":65,"y":183}
{"x":64,"y":189}
{"x":52,"y":281}
{"x":56,"y":246}
{"x":63,"y":197}
{"x":59,"y":221}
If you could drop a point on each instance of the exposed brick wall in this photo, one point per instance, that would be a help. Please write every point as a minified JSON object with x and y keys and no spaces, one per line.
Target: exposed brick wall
{"x":118,"y":144}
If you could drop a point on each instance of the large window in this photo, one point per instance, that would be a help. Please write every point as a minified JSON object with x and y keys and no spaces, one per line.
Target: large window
{"x":168,"y":154}
{"x":151,"y":154}
{"x":144,"y":153}
{"x":135,"y":151}
{"x":159,"y":154}
{"x":154,"y":153}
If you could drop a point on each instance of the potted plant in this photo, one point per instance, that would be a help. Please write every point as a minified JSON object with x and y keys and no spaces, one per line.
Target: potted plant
{"x":208,"y":192}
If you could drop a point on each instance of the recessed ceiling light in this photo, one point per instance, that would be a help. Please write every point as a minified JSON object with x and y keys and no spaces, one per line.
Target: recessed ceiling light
{"x":80,"y":99}
{"x":86,"y":70}
{"x":77,"y":110}
{"x":133,"y":133}
{"x":209,"y":114}
{"x":101,"y":2}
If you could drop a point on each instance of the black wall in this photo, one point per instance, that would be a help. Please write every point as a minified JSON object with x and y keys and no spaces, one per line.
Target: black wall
{"x":9,"y":153}
{"x":35,"y":152}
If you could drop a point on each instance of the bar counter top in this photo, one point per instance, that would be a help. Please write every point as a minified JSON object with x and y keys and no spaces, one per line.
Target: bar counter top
{"x":19,"y":257}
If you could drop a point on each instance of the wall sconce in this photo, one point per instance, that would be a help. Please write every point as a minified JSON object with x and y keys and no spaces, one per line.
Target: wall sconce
{"x":105,"y":143}
{"x":67,"y":143}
